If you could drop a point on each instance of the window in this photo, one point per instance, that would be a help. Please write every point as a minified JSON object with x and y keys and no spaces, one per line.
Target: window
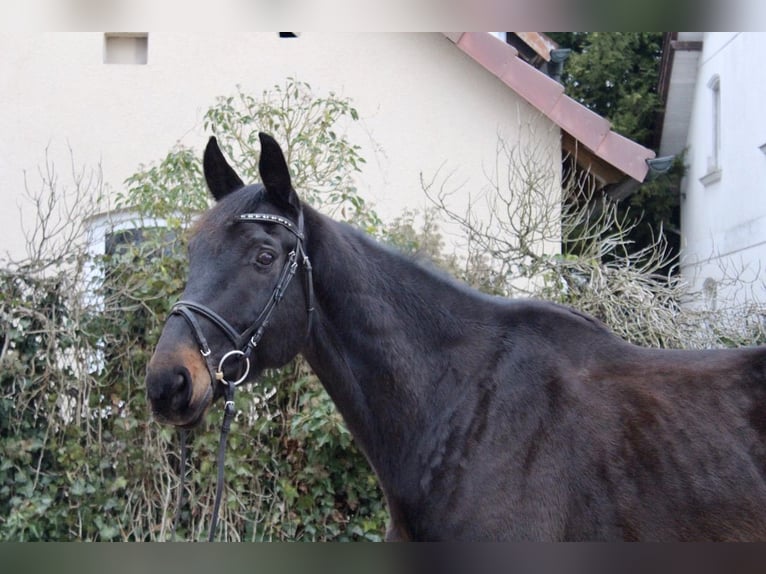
{"x":120,"y":242}
{"x":113,"y":235}
{"x":126,"y":48}
{"x":715,"y":87}
{"x":124,"y":248}
{"x":714,"y":158}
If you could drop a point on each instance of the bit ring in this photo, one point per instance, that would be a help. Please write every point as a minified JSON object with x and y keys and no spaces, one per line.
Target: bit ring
{"x":219,"y":373}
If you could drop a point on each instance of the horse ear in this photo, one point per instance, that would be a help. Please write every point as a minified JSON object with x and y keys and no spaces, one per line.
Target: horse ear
{"x":220,"y":176}
{"x":274,"y":173}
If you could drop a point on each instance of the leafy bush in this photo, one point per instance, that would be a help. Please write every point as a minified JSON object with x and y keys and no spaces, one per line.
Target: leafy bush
{"x":81,"y":458}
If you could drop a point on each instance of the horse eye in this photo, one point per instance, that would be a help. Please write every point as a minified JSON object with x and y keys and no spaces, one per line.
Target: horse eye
{"x":265,"y":258}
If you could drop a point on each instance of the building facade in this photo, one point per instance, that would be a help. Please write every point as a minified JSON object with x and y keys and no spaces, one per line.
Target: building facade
{"x":430,"y":105}
{"x":720,"y":88}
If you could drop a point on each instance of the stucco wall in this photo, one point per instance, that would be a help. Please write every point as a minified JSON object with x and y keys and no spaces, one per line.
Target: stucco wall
{"x":724,"y":219}
{"x":424,"y":106}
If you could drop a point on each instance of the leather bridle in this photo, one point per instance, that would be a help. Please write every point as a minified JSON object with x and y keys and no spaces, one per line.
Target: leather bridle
{"x":243,"y":343}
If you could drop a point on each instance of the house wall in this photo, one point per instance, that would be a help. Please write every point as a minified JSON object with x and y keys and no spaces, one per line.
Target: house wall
{"x":723,"y":214}
{"x":425,"y":108}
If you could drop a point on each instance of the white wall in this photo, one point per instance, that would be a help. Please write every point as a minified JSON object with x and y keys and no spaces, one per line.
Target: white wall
{"x":724,"y":221}
{"x":424,"y":106}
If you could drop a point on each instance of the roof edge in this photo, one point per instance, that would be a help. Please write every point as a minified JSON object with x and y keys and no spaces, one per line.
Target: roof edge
{"x":547,"y":96}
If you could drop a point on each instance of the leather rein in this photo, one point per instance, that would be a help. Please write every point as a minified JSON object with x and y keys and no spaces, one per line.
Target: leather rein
{"x":243,"y":343}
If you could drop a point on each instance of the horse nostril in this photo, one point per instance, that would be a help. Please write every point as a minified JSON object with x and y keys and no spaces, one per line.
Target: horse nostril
{"x":171,"y":388}
{"x":182,"y":380}
{"x":181,"y":386}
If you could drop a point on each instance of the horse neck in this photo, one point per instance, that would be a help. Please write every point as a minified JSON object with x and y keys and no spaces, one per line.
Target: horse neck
{"x":378,"y":344}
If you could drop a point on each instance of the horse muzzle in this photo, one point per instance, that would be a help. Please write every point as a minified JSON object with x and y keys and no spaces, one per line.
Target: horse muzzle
{"x":178,"y":388}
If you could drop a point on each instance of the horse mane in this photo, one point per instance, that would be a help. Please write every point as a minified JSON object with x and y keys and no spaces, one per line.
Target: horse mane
{"x":431,"y":269}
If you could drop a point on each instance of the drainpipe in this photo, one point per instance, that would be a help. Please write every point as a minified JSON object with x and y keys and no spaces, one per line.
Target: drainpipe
{"x":556,"y":65}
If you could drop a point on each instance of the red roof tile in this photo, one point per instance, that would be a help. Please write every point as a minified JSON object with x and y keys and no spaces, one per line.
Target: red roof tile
{"x":541,"y":91}
{"x":586,"y":126}
{"x":547,"y":95}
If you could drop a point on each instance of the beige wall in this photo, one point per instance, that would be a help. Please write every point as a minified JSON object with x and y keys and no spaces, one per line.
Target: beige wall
{"x":424,"y":107}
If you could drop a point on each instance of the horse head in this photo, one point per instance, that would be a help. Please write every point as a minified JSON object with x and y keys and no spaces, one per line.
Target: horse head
{"x":240,"y":311}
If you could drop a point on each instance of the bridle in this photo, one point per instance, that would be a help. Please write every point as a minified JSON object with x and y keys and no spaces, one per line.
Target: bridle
{"x":243,"y":343}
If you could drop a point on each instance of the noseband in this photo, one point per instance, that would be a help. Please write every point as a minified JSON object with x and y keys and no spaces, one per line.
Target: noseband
{"x":243,"y":343}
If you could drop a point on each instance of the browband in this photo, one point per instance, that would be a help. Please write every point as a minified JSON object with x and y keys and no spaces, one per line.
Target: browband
{"x":283,"y":221}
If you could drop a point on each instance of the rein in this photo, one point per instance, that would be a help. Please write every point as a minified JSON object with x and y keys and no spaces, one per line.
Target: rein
{"x":243,"y":343}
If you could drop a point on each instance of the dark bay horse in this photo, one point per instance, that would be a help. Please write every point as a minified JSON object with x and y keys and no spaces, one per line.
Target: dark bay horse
{"x":484,"y":418}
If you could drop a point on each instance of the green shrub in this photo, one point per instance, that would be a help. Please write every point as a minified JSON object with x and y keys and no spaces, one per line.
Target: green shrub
{"x":81,"y":457}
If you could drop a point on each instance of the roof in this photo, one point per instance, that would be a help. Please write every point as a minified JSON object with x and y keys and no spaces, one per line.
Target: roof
{"x":538,"y":42}
{"x":587,"y":135}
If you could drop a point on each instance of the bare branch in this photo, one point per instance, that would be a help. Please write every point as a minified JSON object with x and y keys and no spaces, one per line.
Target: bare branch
{"x":512,"y":252}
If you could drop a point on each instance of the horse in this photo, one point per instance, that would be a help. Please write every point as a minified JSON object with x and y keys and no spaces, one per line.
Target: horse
{"x":483,"y":418}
